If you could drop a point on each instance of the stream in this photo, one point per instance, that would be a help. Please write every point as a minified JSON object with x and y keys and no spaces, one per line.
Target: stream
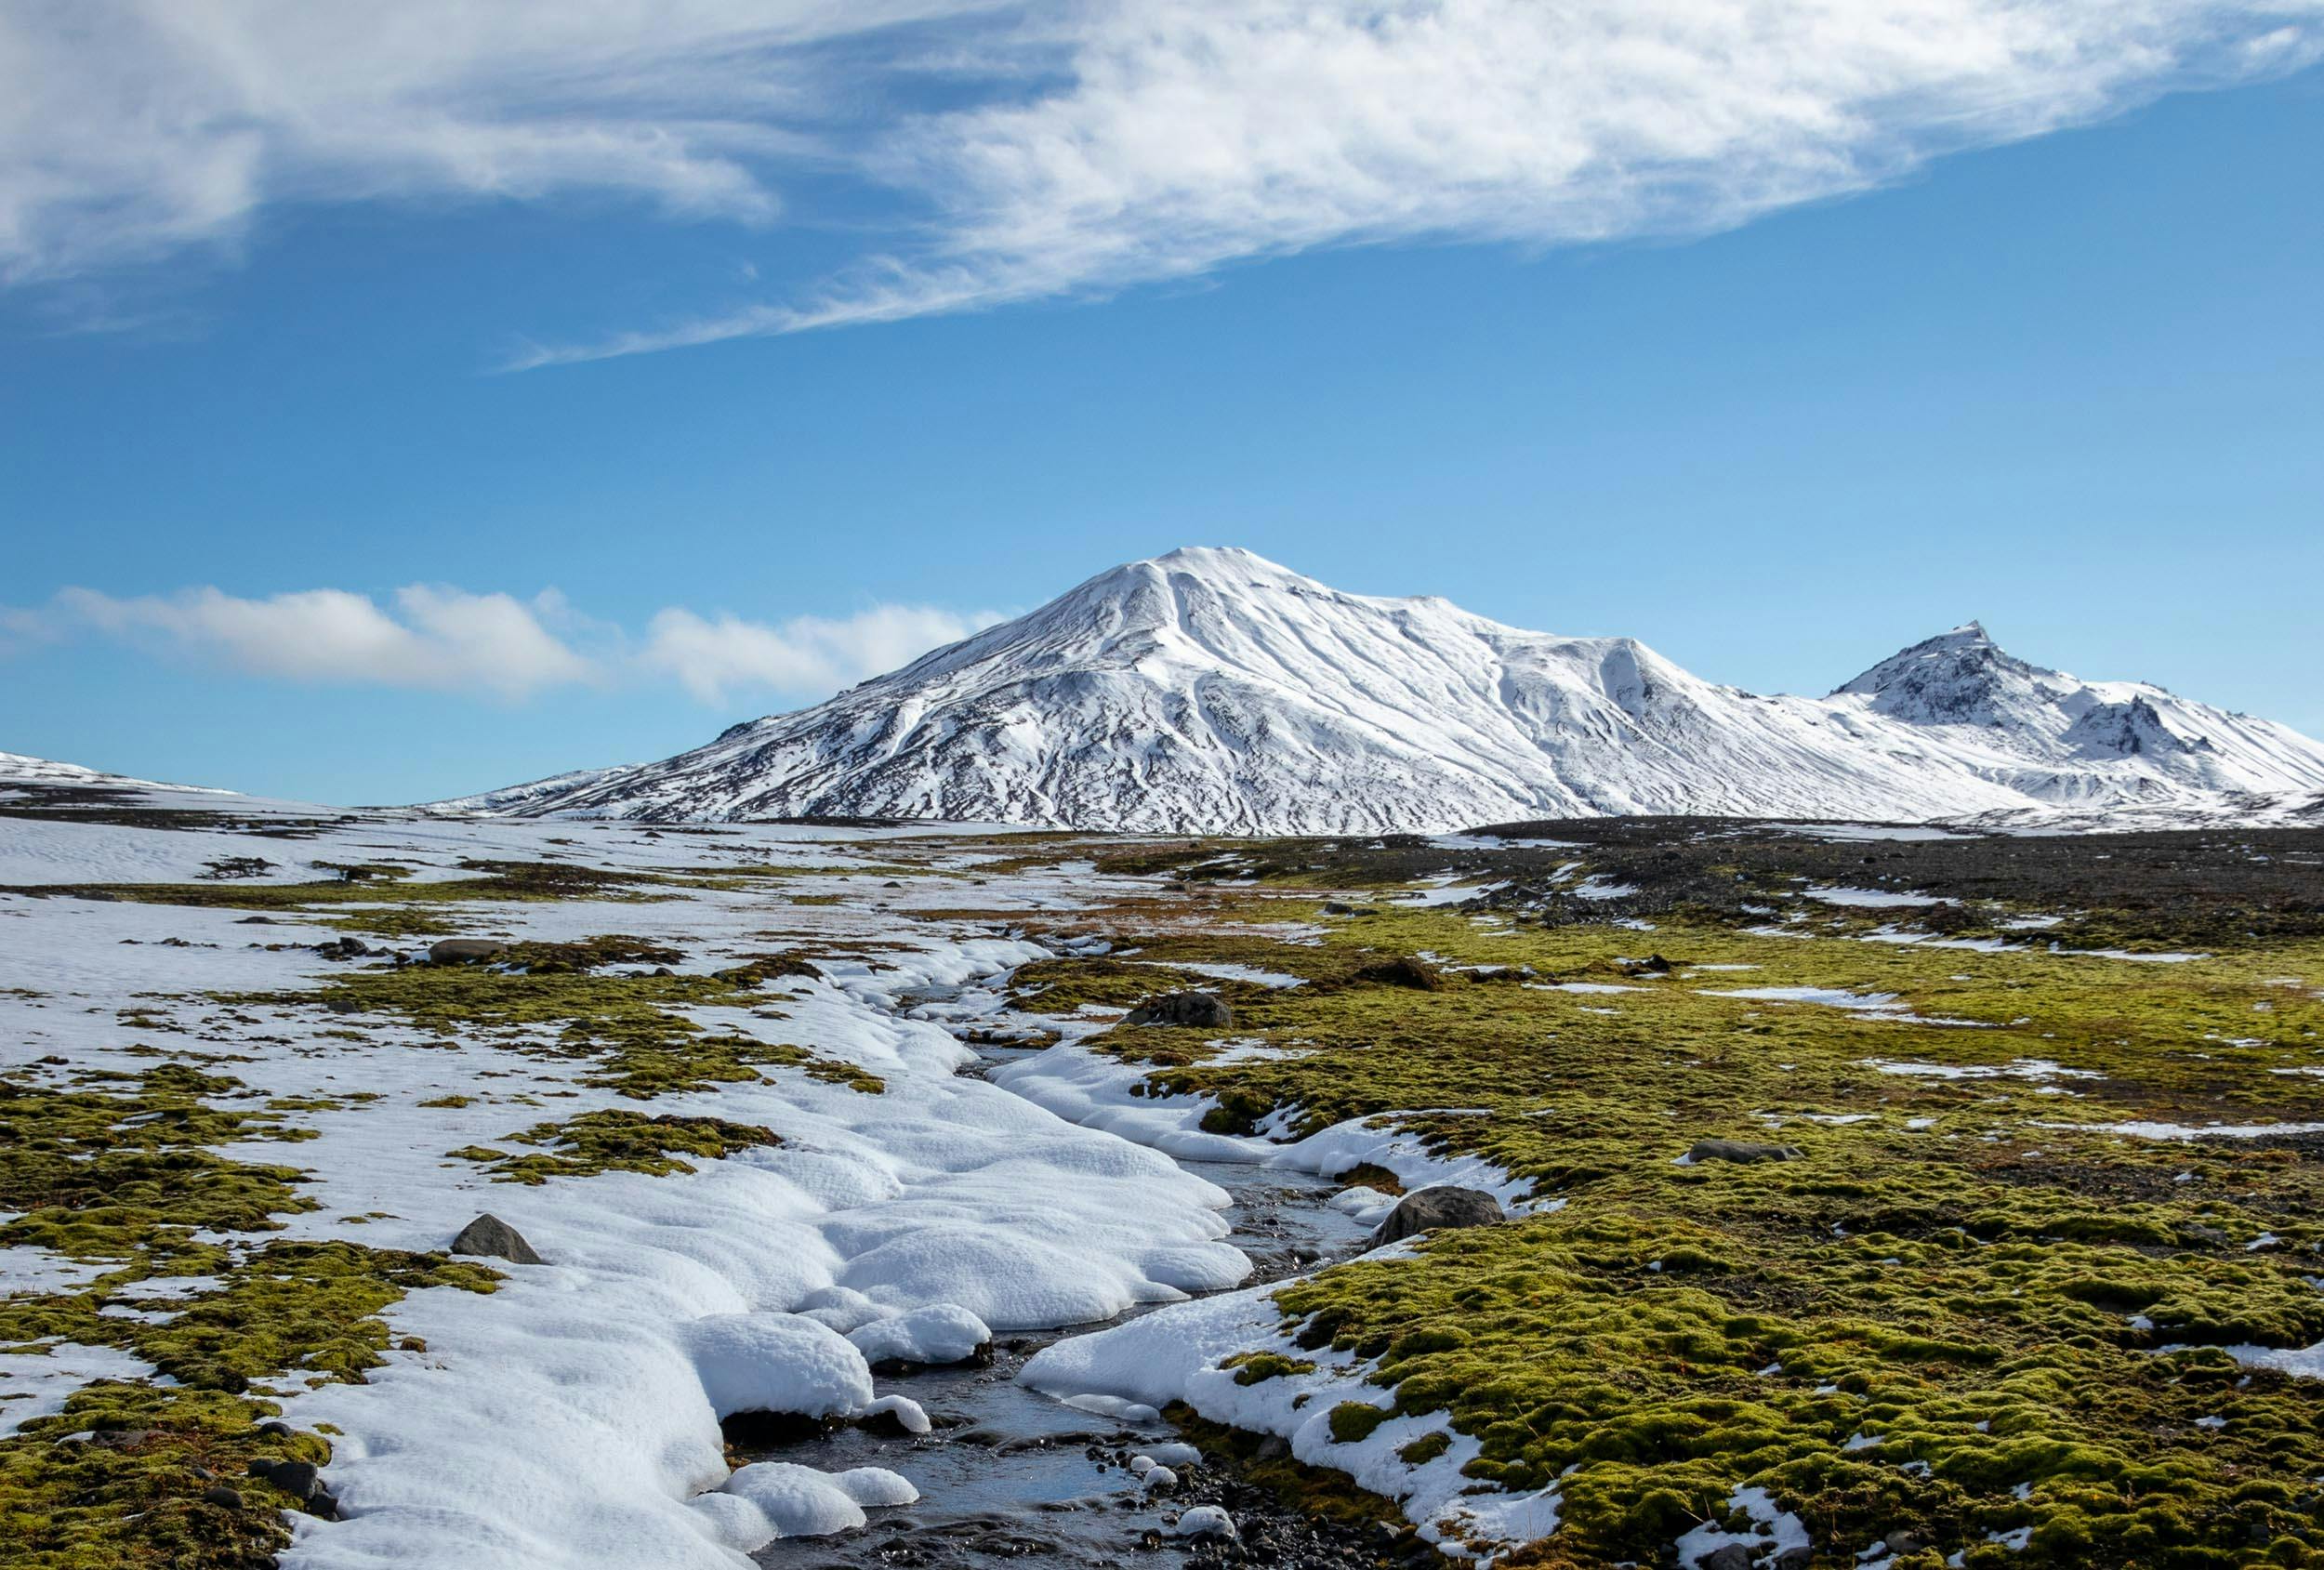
{"x":1008,"y":1474}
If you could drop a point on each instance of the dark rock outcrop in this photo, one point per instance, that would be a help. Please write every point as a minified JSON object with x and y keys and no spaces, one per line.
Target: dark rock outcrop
{"x":1442,"y":1208}
{"x":490,"y":1238}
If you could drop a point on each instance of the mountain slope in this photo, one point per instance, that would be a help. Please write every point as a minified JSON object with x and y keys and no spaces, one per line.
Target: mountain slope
{"x":1211,"y":691}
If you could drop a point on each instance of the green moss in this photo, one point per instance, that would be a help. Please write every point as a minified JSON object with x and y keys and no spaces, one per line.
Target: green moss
{"x":127,"y":1179}
{"x":108,"y":1177}
{"x":617,"y":1140}
{"x":1253,"y":1367}
{"x":1964,"y":1264}
{"x":1425,"y":1449}
{"x":1352,"y":1421}
{"x":132,"y":1498}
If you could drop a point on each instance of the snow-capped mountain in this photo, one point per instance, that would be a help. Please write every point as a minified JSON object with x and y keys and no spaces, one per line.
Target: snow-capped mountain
{"x":16,"y":768}
{"x":1211,"y":691}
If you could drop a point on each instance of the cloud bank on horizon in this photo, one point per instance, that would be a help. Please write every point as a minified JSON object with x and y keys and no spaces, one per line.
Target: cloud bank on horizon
{"x":432,"y":638}
{"x":1020,"y":151}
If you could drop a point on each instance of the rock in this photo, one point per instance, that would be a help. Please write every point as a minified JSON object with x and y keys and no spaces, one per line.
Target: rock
{"x":1740,"y":1150}
{"x":1404,"y":971}
{"x":491,"y":1237}
{"x":1794,"y":1558}
{"x":464,"y":950}
{"x":344,"y":1006}
{"x":220,"y":1494}
{"x":1901,"y":1542}
{"x":1726,"y":1556}
{"x":1444,"y":1206}
{"x":1274,"y":1447}
{"x":1205,"y":1011}
{"x":1338,"y":907}
{"x":277,"y":1429}
{"x":300,"y":1480}
{"x":257,"y":921}
{"x":1205,"y":1522}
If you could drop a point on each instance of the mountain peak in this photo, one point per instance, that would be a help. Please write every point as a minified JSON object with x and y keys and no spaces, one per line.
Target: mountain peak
{"x":1950,"y":665}
{"x":1209,"y":690}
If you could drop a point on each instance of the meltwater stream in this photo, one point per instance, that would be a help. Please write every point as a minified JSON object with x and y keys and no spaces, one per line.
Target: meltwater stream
{"x":1008,"y":1474}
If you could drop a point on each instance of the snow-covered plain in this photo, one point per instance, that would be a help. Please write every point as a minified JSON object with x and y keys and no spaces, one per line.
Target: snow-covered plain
{"x":570,"y":1418}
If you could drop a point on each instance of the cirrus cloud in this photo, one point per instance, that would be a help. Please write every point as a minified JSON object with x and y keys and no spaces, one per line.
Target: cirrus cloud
{"x":1078,"y":148}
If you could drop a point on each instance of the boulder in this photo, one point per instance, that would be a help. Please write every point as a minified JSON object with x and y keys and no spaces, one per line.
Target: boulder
{"x":1404,"y":971}
{"x":464,"y":950}
{"x":1726,"y":1556}
{"x":1740,"y":1150}
{"x":1444,"y":1206}
{"x":1206,"y":1011}
{"x":490,"y":1238}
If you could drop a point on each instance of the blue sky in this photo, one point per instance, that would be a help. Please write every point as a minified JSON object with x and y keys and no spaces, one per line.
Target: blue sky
{"x":1775,"y":422}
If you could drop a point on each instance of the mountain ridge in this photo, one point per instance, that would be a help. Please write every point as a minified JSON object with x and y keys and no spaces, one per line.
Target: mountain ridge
{"x":1212,"y":691}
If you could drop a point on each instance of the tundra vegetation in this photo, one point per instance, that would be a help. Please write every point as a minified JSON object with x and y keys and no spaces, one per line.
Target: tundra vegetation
{"x":2027,"y":1296}
{"x":1985,"y":1312}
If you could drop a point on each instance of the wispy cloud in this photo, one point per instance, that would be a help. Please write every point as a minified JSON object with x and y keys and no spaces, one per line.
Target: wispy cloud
{"x":494,"y":645}
{"x":1086,"y":148}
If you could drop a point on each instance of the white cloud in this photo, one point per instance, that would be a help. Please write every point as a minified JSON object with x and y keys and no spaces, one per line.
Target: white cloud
{"x":447,"y":640}
{"x":434,"y":637}
{"x":132,"y":129}
{"x":806,"y":653}
{"x":1089,"y":146}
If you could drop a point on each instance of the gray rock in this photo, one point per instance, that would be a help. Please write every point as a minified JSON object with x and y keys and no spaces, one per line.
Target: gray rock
{"x":490,"y":1238}
{"x":1442,"y":1208}
{"x":300,"y":1480}
{"x":220,"y":1494}
{"x":1726,"y":1556}
{"x":464,"y":950}
{"x":1740,"y":1150}
{"x":1205,"y":1009}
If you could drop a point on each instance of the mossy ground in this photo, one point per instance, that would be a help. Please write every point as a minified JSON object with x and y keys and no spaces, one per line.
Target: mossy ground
{"x":631,"y":1028}
{"x":616,"y":1139}
{"x":1972,"y":1270}
{"x":129,"y":1181}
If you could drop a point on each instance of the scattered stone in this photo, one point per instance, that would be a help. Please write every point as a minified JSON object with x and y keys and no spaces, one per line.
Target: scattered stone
{"x":1338,"y":907}
{"x":464,"y":950}
{"x":1744,"y":1151}
{"x":1444,"y":1206}
{"x":220,"y":1494}
{"x":345,"y":948}
{"x":1901,"y":1542}
{"x":491,"y":1237}
{"x":257,"y":921}
{"x":1205,"y":1522}
{"x":1726,"y":1556}
{"x":277,"y":1429}
{"x":1205,"y":1011}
